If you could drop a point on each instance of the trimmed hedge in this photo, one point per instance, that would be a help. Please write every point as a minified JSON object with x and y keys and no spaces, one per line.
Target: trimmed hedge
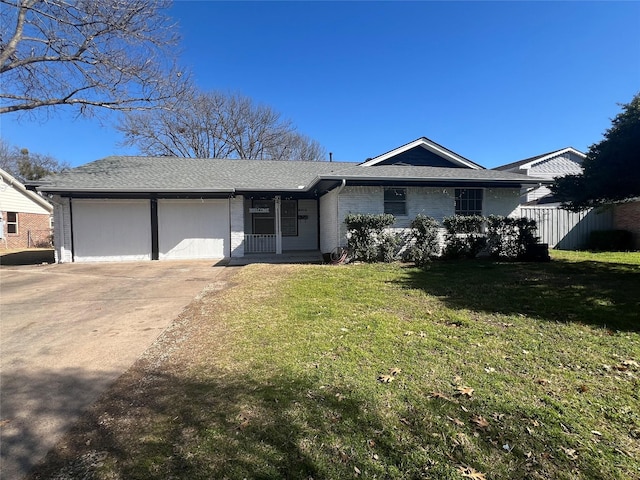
{"x":464,"y":237}
{"x":365,"y":235}
{"x":423,"y":245}
{"x":510,"y":238}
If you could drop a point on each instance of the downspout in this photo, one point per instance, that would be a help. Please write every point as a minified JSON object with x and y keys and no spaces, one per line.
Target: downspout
{"x":340,"y":188}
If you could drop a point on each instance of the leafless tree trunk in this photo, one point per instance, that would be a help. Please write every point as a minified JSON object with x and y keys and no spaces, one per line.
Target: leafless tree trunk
{"x":218,"y":125}
{"x":115,"y":54}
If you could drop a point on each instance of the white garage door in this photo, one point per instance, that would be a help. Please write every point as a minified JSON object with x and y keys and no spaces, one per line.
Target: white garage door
{"x":193,"y":229}
{"x":111,"y":230}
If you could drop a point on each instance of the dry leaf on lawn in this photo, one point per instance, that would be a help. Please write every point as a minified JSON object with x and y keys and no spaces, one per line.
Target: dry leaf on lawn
{"x":570,"y":452}
{"x":480,"y":421}
{"x":394,"y":371}
{"x":385,"y":378}
{"x":470,"y":472}
{"x":439,"y":395}
{"x":457,"y":421}
{"x":464,"y":391}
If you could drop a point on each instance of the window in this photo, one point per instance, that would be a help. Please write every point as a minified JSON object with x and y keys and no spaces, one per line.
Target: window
{"x":264,"y":222}
{"x":289,"y":218}
{"x":468,"y":201}
{"x":395,"y":201}
{"x":12,"y":222}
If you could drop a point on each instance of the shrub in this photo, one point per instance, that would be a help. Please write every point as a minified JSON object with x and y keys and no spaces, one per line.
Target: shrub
{"x":389,"y":246}
{"x":365,"y":233}
{"x":424,"y":241}
{"x":510,"y":238}
{"x":611,"y":240}
{"x":464,"y":237}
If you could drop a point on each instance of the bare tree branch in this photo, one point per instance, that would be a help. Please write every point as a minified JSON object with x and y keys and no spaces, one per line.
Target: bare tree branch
{"x":113,"y":54}
{"x":218,"y":125}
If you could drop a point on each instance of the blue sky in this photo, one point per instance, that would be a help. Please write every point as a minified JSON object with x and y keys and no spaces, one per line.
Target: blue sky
{"x":495,"y":82}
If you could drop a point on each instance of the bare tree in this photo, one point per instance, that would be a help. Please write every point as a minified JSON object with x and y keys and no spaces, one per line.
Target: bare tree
{"x":116,"y":54}
{"x":25,"y":165}
{"x":218,"y":125}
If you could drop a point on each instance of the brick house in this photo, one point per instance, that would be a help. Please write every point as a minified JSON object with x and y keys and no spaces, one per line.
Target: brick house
{"x":143,"y":208}
{"x":25,"y":216}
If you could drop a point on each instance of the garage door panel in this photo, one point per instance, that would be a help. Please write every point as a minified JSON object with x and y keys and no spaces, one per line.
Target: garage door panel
{"x":193,"y":229}
{"x":111,"y":230}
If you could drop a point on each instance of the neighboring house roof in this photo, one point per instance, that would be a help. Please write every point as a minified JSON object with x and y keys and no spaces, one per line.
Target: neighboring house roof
{"x":173,"y":175}
{"x":422,"y":152}
{"x":10,"y":181}
{"x":528,"y":163}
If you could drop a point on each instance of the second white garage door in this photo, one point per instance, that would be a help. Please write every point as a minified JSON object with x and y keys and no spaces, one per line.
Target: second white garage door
{"x":193,"y":229}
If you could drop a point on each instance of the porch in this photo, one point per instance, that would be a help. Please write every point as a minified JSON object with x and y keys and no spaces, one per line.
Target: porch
{"x":276,"y":225}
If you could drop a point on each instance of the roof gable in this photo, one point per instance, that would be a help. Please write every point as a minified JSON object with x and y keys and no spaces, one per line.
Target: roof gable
{"x":424,"y":153}
{"x":530,"y":162}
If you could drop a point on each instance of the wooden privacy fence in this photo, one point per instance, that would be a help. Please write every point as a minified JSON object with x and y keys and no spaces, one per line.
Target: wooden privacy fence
{"x":567,"y":230}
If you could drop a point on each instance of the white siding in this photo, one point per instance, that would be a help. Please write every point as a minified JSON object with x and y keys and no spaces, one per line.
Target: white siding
{"x":193,"y":229}
{"x":566,"y":164}
{"x":14,"y":200}
{"x":111,"y":230}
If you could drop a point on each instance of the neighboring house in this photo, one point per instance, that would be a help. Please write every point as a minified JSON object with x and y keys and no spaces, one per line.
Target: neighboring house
{"x":566,"y":161}
{"x":142,"y":208}
{"x":559,"y":228}
{"x":25,"y":215}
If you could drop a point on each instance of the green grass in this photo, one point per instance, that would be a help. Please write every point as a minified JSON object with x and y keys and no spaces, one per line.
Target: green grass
{"x":280,"y":379}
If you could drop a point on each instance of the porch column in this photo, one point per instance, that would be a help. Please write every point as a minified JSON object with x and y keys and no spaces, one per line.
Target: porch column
{"x":278,"y":204}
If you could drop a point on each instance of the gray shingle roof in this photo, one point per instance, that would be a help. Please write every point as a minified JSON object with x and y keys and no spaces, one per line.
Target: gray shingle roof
{"x":176,"y":175}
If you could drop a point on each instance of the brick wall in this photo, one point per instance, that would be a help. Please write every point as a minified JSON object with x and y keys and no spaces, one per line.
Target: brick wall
{"x":33,"y":231}
{"x":626,"y":216}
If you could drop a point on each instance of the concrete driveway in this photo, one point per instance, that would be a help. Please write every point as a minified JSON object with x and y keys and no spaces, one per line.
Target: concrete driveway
{"x":68,"y":331}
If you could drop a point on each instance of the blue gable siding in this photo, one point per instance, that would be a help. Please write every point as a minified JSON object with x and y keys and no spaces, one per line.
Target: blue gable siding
{"x":419,"y":157}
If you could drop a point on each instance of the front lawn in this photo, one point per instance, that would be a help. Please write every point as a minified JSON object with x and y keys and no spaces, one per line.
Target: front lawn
{"x":469,"y":369}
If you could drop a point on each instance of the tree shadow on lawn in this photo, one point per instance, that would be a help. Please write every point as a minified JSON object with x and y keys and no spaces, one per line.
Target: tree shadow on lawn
{"x":164,"y":425}
{"x":595,"y":293}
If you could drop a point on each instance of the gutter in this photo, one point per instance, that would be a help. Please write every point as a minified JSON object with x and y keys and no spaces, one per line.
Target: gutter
{"x":340,"y":188}
{"x":132,"y":191}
